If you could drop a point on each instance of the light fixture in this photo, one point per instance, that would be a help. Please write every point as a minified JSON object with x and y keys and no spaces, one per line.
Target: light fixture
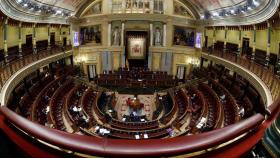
{"x":256,"y":3}
{"x":232,"y":11}
{"x":215,"y":14}
{"x":58,"y":12}
{"x":42,"y":8}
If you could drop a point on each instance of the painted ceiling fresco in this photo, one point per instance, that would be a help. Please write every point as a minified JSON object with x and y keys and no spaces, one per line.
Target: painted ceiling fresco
{"x":67,"y":4}
{"x":210,"y":5}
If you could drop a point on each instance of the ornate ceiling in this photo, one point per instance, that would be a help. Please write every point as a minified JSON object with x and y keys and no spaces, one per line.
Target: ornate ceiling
{"x":200,"y":5}
{"x":210,"y":5}
{"x":72,"y":5}
{"x":210,"y":11}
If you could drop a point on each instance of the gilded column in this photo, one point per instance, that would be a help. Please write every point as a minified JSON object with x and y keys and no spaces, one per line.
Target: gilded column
{"x":19,"y":40}
{"x":34,"y":39}
{"x":268,"y":43}
{"x":5,"y":32}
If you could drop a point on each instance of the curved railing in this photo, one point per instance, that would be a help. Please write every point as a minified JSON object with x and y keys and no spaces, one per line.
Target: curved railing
{"x":242,"y":67}
{"x":116,"y":147}
{"x":267,"y":76}
{"x":6,"y":71}
{"x":151,"y":147}
{"x":15,"y":72}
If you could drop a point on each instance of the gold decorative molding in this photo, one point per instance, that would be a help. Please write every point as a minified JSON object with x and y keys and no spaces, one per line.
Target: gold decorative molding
{"x":95,"y":19}
{"x":89,"y":48}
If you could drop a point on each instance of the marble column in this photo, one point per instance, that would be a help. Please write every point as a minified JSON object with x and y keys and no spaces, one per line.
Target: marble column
{"x":240,"y":41}
{"x":225,"y":41}
{"x":69,"y":36}
{"x":60,"y":35}
{"x":169,"y":32}
{"x":214,"y":37}
{"x":254,"y":42}
{"x":151,"y":7}
{"x":268,"y":44}
{"x":151,"y":35}
{"x":5,"y":32}
{"x":164,"y":35}
{"x":123,"y":6}
{"x":109,"y":33}
{"x":122,"y":34}
{"x":204,"y":37}
{"x":34,"y":39}
{"x":19,"y":40}
{"x":49,"y":37}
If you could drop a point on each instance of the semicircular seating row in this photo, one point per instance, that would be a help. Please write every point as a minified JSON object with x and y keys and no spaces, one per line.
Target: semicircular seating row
{"x":69,"y":105}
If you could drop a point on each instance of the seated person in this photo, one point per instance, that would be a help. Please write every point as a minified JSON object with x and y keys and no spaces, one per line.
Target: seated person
{"x":47,"y":98}
{"x":241,"y":111}
{"x":76,"y":108}
{"x":193,"y":97}
{"x":46,"y":110}
{"x":223,"y":97}
{"x":134,"y":113}
{"x":79,"y":94}
{"x":83,"y":121}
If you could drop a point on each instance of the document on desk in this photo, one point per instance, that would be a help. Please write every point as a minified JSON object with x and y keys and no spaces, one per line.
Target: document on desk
{"x":146,"y":136}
